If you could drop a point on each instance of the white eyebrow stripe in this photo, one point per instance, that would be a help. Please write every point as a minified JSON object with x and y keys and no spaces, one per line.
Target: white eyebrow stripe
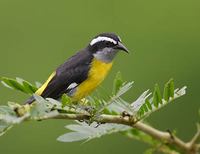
{"x":102,"y":38}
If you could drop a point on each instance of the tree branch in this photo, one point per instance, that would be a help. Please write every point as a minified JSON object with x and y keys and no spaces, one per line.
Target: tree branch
{"x":168,"y":138}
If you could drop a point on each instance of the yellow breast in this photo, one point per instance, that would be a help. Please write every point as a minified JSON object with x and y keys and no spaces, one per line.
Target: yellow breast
{"x":97,"y":73}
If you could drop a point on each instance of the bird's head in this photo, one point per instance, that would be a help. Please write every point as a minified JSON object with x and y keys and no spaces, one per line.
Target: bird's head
{"x":105,"y":46}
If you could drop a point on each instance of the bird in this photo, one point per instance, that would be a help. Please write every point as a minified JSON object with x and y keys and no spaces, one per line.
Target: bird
{"x":81,"y":74}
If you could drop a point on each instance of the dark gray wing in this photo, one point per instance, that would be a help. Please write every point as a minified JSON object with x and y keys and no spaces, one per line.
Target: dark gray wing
{"x":74,"y":70}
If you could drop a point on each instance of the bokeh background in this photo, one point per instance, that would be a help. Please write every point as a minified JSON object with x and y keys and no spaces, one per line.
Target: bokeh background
{"x":164,"y":40}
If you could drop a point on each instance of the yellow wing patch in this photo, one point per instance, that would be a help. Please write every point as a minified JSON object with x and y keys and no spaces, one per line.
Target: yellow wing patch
{"x":42,"y":88}
{"x":97,"y":73}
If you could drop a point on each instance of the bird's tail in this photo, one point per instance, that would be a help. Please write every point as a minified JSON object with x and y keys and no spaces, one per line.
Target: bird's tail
{"x":30,"y":100}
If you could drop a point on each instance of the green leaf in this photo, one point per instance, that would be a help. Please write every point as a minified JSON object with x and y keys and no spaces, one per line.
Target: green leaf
{"x":148,"y":104}
{"x":156,"y":102}
{"x":43,"y":108}
{"x":19,"y":84}
{"x":8,"y":117}
{"x":166,"y":93}
{"x":29,"y":88}
{"x":83,"y":131}
{"x":118,"y":107}
{"x":72,"y":137}
{"x":117,"y":83}
{"x":86,"y":129}
{"x":143,"y":109}
{"x":169,"y":90}
{"x":138,"y":104}
{"x":157,"y":98}
{"x":141,"y":112}
{"x":66,"y":100}
{"x":171,"y":87}
{"x":113,"y":99}
{"x":6,"y":110}
{"x":40,"y":107}
{"x":124,"y":88}
{"x":12,"y":84}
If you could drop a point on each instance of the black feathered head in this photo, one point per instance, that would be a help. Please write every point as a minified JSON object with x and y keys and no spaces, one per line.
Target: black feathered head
{"x":106,"y":40}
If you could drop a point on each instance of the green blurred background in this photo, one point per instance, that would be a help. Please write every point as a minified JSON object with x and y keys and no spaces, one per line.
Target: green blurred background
{"x":164,"y":40}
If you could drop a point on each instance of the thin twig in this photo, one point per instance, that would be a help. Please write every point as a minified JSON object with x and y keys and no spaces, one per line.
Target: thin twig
{"x":193,"y":143}
{"x":196,"y":136}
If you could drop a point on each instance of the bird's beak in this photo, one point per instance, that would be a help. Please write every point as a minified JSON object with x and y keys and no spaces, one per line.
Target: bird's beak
{"x":120,"y":46}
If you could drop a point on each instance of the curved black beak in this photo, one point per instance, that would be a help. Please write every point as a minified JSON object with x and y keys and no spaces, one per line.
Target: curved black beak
{"x":120,"y":46}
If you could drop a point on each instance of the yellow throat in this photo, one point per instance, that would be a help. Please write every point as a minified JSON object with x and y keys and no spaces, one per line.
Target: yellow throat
{"x":97,"y":73}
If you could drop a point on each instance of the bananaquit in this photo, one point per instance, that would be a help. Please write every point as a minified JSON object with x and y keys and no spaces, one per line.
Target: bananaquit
{"x":84,"y":71}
